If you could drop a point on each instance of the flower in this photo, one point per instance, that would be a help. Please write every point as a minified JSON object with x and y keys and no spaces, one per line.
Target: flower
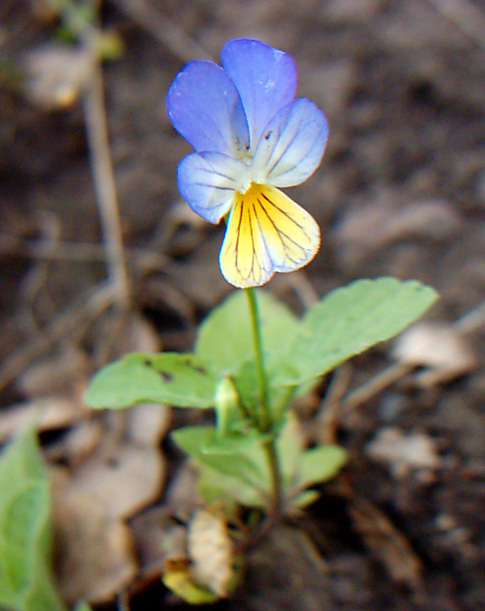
{"x":251,"y":136}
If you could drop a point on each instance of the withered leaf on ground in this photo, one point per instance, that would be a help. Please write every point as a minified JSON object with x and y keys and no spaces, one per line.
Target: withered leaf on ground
{"x":441,"y":348}
{"x":124,"y":480}
{"x":387,"y":544}
{"x":94,"y":550}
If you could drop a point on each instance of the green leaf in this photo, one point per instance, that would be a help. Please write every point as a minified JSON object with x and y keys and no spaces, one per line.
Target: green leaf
{"x":213,"y":486}
{"x":349,"y":320}
{"x":26,"y":580}
{"x":82,"y":606}
{"x":181,"y":584}
{"x":289,"y":445}
{"x":233,"y":442}
{"x":236,"y":468}
{"x":246,"y":381}
{"x":319,"y":464}
{"x":225,"y":337}
{"x":245,"y":466}
{"x":182,"y":380}
{"x":305,"y":498}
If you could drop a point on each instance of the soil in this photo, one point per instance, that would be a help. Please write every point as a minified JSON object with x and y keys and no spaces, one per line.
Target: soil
{"x":401,"y":192}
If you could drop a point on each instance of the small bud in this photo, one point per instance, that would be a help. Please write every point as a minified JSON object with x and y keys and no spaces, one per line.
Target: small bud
{"x":226,"y":403}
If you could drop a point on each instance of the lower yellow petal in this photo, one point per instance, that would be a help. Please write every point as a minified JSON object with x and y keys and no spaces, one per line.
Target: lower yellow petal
{"x":267,"y":232}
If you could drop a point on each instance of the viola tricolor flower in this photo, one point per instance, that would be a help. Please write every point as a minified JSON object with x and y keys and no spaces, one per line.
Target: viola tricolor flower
{"x":251,"y":136}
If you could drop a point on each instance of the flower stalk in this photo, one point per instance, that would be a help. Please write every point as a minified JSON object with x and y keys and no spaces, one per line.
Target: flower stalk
{"x":265,"y":422}
{"x":264,"y":412}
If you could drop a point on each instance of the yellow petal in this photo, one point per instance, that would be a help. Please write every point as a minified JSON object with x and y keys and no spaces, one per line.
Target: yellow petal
{"x":267,"y":232}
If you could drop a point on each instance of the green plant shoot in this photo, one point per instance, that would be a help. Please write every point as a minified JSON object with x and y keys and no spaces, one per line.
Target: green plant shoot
{"x":251,"y":137}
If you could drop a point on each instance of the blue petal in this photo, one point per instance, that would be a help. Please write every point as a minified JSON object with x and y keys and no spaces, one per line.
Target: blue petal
{"x":208,"y":181}
{"x":292,"y":145}
{"x":205,"y":108}
{"x":266,"y":79}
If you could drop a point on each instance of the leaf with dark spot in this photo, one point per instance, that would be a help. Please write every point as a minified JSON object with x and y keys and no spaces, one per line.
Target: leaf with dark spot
{"x":201,"y":370}
{"x":182,"y":380}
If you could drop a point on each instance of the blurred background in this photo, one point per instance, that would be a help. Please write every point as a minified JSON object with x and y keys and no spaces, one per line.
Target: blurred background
{"x":401,"y":192}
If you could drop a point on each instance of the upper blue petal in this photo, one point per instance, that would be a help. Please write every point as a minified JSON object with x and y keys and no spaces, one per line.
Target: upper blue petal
{"x":292,"y":145}
{"x":204,"y":106}
{"x":266,"y":79}
{"x":208,"y":181}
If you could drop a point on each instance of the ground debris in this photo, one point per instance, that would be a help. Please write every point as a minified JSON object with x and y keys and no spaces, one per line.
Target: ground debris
{"x":94,"y":551}
{"x":440,"y":348}
{"x":128,"y":470}
{"x":404,"y":452}
{"x":387,"y":544}
{"x":124,"y":480}
{"x":56,"y":75}
{"x":50,"y":413}
{"x":286,"y":572}
{"x":210,"y":550}
{"x":371,"y":226}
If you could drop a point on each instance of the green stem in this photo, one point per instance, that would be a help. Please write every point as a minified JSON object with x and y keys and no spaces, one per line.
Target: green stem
{"x":265,"y":417}
{"x":265,"y":420}
{"x":274,"y":468}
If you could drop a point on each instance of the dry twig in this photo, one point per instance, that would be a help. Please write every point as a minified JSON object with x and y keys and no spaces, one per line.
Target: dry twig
{"x":73,"y":319}
{"x":165,"y":31}
{"x":103,"y":174}
{"x":143,"y":259}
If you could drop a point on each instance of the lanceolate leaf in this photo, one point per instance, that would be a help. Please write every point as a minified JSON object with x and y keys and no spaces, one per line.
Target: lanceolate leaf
{"x":319,"y":464}
{"x":181,"y":380}
{"x":26,"y":581}
{"x":350,"y":320}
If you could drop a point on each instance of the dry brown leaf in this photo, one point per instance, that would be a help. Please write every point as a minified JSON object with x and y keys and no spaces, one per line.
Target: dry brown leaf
{"x":56,"y":75}
{"x":404,"y":451}
{"x":56,"y":386}
{"x":370,"y":227}
{"x":57,"y":375}
{"x":387,"y":543}
{"x":181,"y":493}
{"x":94,"y":552}
{"x":138,"y":336}
{"x":51,"y":413}
{"x":158,"y":538}
{"x":148,"y":423}
{"x":124,"y":480}
{"x":210,"y":551}
{"x":439,"y":347}
{"x":78,"y":443}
